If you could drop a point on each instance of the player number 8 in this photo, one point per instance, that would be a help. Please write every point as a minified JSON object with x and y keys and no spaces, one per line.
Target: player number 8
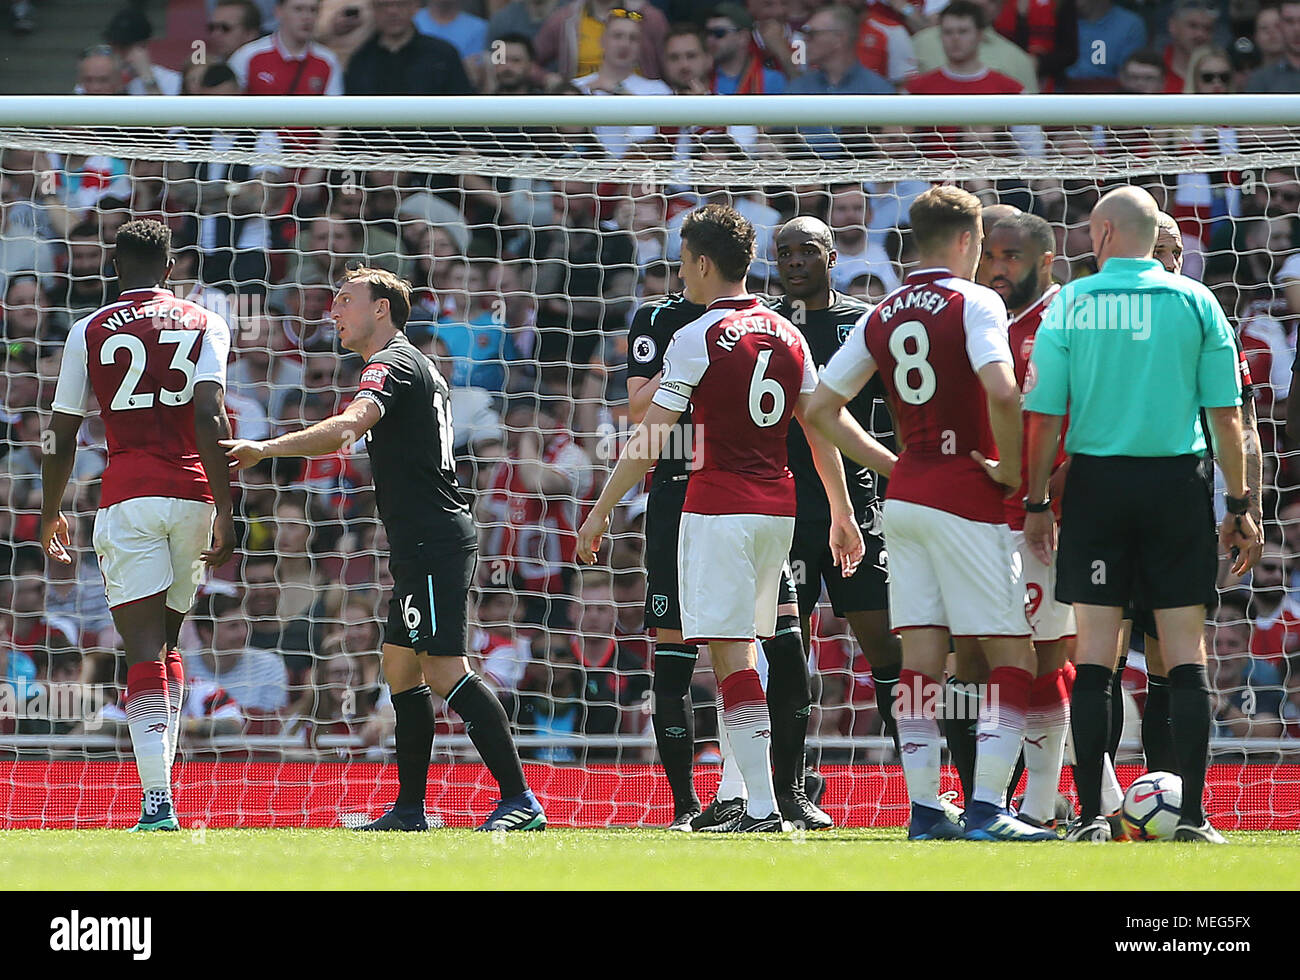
{"x":905,"y":362}
{"x":760,"y":386}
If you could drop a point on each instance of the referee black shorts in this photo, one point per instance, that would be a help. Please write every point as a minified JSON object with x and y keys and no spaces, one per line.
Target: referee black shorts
{"x":1137,"y":530}
{"x":663,"y":519}
{"x":429,"y":607}
{"x":867,"y":589}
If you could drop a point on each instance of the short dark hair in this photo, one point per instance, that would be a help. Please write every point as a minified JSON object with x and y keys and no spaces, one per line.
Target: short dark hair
{"x":1031,"y":228}
{"x":685,"y":29}
{"x":251,"y":17}
{"x":521,"y":39}
{"x":724,"y":237}
{"x":385,"y":285}
{"x":965,"y":8}
{"x":86,"y":229}
{"x":942,"y":213}
{"x":216,"y":74}
{"x":1147,"y":56}
{"x":143,"y":244}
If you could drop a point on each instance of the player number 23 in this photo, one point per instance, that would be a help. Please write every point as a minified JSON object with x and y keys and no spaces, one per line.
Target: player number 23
{"x":127,"y":396}
{"x":905,"y":362}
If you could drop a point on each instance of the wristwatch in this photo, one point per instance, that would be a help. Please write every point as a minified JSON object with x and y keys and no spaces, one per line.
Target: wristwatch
{"x":1237,"y":505}
{"x":1037,"y":508}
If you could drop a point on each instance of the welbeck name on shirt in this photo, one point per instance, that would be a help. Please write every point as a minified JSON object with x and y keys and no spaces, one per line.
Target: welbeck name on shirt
{"x":736,"y":329}
{"x":926,"y":299}
{"x":151,"y":311}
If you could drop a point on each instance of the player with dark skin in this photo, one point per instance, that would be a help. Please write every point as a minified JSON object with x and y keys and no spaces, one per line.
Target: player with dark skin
{"x":804,"y":262}
{"x":148,"y":627}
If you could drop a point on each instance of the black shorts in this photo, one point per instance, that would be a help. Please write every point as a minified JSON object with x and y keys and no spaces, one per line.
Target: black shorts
{"x":865,"y":590}
{"x":663,"y":518}
{"x":430,"y":603}
{"x":1137,"y":530}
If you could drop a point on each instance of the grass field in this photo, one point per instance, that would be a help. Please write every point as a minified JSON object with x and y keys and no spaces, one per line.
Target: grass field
{"x":623,"y":859}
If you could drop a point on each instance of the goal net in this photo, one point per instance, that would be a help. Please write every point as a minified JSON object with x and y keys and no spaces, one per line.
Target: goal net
{"x":531,"y":230}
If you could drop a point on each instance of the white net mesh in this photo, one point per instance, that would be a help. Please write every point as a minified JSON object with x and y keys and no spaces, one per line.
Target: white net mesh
{"x":529,"y":251}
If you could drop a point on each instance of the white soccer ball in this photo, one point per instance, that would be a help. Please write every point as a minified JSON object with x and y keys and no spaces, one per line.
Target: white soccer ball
{"x":1152,"y":805}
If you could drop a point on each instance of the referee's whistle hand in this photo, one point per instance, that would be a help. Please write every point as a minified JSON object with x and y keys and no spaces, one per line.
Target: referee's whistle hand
{"x":998,"y":472}
{"x":1241,"y":538}
{"x":1040,"y":535}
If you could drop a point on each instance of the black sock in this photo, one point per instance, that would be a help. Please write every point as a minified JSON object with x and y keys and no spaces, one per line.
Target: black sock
{"x":1190,"y":723}
{"x":1016,"y":773}
{"x":1090,"y":723}
{"x":886,"y":680}
{"x":489,"y":729}
{"x":959,"y":730}
{"x":1116,"y":710}
{"x":1157,"y":740}
{"x":413,"y":733}
{"x":674,"y":720}
{"x":789,"y":700}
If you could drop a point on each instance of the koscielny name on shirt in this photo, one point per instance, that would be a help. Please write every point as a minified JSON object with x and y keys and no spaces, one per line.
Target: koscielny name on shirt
{"x":75,"y":933}
{"x":733,"y":331}
{"x":926,"y":299}
{"x":152,"y":311}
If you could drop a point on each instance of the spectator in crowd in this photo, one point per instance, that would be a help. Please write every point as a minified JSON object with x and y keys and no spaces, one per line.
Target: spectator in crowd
{"x":1282,"y":75}
{"x":991,"y":48}
{"x":399,"y":60}
{"x":1270,"y":42}
{"x":31,"y":215}
{"x":1142,"y":73}
{"x":513,"y":66}
{"x":555,"y":699}
{"x":232,"y":24}
{"x":856,"y":252}
{"x":1248,"y":688}
{"x":847,"y":699}
{"x":686,"y":62}
{"x":27,"y":314}
{"x":569,"y":42}
{"x":289,"y":62}
{"x":100,"y":72}
{"x":128,"y":34}
{"x":616,"y":665}
{"x":501,"y":651}
{"x":962,"y":30}
{"x":1275,"y":612}
{"x":737,"y":68}
{"x":772,"y":40}
{"x":290,"y":640}
{"x":47,"y":640}
{"x":87,"y":289}
{"x":585,"y":279}
{"x":529,"y":516}
{"x":207,"y":712}
{"x":522,"y":17}
{"x":444,"y":19}
{"x":1047,"y":32}
{"x":884,"y":42}
{"x":833,"y":66}
{"x":479,"y":340}
{"x":75,"y":596}
{"x":22,"y":16}
{"x":324,"y":250}
{"x":1191,"y":26}
{"x":619,"y":44}
{"x":255,"y":678}
{"x":1108,"y":34}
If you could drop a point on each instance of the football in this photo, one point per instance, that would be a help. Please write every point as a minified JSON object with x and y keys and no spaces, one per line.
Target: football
{"x":1151,"y":806}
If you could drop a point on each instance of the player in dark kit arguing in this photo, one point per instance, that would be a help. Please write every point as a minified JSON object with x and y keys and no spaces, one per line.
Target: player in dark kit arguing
{"x":403,"y":410}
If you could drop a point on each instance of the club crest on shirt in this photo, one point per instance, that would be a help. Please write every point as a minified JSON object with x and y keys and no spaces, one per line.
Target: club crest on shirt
{"x":643,"y":349}
{"x":1027,"y":348}
{"x":659,"y":604}
{"x":845,"y":329}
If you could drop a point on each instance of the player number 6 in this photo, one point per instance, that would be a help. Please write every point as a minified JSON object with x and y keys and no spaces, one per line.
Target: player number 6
{"x":760,"y":386}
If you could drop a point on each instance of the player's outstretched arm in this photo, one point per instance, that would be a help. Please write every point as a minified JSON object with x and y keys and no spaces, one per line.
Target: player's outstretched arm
{"x":325,"y":437}
{"x":825,"y":412}
{"x":642,"y":449}
{"x":56,"y":469}
{"x":846,"y":537}
{"x":211,"y":426}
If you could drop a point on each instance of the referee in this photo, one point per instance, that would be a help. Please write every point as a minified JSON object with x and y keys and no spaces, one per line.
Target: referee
{"x":403,"y":410}
{"x":1132,"y":354}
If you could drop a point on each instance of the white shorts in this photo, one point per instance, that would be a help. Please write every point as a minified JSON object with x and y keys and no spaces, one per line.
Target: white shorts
{"x":148,"y":545}
{"x":949,"y":572}
{"x":729,"y":574}
{"x":1050,"y":620}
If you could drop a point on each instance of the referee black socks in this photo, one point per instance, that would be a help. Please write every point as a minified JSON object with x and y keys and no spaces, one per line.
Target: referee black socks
{"x":1157,"y":741}
{"x":413,"y":734}
{"x":1190,"y":721}
{"x":674,"y":721}
{"x":885,"y":680}
{"x":1090,"y":722}
{"x":1116,"y":709}
{"x":789,"y":700}
{"x":489,"y":729}
{"x":959,"y":726}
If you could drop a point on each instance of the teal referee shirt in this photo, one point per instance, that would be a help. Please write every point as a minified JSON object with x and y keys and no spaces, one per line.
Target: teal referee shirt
{"x":1132,"y":354}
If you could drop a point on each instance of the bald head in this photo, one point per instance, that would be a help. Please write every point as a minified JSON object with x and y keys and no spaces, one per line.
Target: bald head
{"x":1123,"y":224}
{"x":805,"y":252}
{"x":1168,"y":250}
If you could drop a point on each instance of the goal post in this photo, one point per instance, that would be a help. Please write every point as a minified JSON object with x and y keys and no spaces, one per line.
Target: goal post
{"x":531,"y":229}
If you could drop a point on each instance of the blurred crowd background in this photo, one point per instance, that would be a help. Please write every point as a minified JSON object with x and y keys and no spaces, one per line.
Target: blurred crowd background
{"x":524,"y":288}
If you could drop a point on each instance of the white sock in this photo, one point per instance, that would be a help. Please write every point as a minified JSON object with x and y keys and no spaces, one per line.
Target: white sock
{"x":147,"y":714}
{"x":1000,"y":733}
{"x":732,"y":786}
{"x":1045,"y":731}
{"x":749,"y":729}
{"x":920,"y":740}
{"x":1112,"y":797}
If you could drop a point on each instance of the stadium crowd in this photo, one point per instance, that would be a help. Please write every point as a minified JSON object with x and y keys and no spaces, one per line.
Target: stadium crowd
{"x":523,"y":293}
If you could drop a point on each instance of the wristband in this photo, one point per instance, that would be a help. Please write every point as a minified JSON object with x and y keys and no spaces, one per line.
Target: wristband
{"x":1037,"y":508}
{"x":1237,"y":505}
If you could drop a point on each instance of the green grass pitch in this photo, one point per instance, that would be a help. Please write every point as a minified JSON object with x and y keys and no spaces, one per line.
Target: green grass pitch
{"x":638,"y":860}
